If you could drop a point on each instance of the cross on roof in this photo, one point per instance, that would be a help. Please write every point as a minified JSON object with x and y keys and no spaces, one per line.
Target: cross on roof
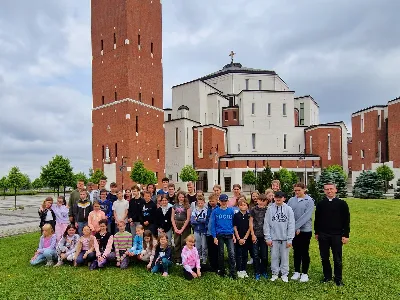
{"x":232,"y":54}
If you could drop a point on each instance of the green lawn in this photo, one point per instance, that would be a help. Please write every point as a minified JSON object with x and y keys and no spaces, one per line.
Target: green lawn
{"x":371,"y":270}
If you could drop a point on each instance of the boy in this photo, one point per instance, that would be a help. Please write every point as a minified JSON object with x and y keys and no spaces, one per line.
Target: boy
{"x":198,"y":220}
{"x":242,"y":231}
{"x":122,"y":242}
{"x":120,"y":208}
{"x":191,"y":194}
{"x":217,"y":190}
{"x":171,"y":193}
{"x":106,"y":207}
{"x":81,"y":211}
{"x":112,"y":197}
{"x":164,"y":189}
{"x":148,"y":213}
{"x":134,"y":210}
{"x":279,"y":230}
{"x":260,"y":250}
{"x":222,"y":232}
{"x":212,"y":248}
{"x":276,"y":185}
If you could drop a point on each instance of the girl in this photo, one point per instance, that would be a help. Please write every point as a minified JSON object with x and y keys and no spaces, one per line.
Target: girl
{"x":128,"y":195}
{"x":270,"y":196}
{"x":198,"y":220}
{"x":47,"y":247}
{"x":103,"y":245}
{"x":46,"y":214}
{"x":253,"y":199}
{"x":85,"y":248}
{"x":162,"y":256}
{"x":190,"y":259}
{"x":180,"y":217}
{"x":95,"y":216}
{"x":67,"y":245}
{"x":149,"y":248}
{"x":61,"y":212}
{"x":163,"y":217}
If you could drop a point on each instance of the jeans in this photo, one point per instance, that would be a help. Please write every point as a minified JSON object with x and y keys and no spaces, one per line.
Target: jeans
{"x":201,"y":245}
{"x":260,"y":256}
{"x":301,"y":245}
{"x":80,"y":227}
{"x":212,"y":253}
{"x":226,"y":239}
{"x":48,"y":255}
{"x":241,"y":256}
{"x":326,"y":243}
{"x":89,"y":258}
{"x":163,"y":266}
{"x":179,"y":240}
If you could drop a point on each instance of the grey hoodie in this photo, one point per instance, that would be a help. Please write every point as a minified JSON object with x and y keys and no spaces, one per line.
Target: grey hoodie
{"x":303,"y":209}
{"x":279,"y":223}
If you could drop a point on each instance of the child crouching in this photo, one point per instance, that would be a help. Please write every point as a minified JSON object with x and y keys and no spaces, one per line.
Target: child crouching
{"x":149,"y":248}
{"x":67,"y":245}
{"x":190,"y":259}
{"x":162,"y":257}
{"x":122,"y":243}
{"x":46,"y":251}
{"x":85,"y":248}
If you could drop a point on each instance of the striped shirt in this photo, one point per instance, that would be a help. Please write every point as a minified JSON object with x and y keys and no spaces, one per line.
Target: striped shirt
{"x":122,"y":241}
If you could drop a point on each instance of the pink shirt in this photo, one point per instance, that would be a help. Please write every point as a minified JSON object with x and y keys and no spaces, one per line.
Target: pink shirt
{"x":190,"y":259}
{"x":94,"y":218}
{"x":47,"y":242}
{"x":85,"y":243}
{"x":232,"y":201}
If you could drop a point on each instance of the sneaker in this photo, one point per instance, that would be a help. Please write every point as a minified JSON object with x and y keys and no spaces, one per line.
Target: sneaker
{"x":285,"y":278}
{"x":250,"y":262}
{"x":325,"y":280}
{"x":49,"y":263}
{"x":221,"y":273}
{"x":58,"y":264}
{"x":304,"y":278}
{"x":165,"y":274}
{"x":178,"y":264}
{"x":265,"y":275}
{"x":245,"y":275}
{"x":296,"y":276}
{"x":274,"y":277}
{"x":339,"y":283}
{"x":240,"y":274}
{"x":257,"y":276}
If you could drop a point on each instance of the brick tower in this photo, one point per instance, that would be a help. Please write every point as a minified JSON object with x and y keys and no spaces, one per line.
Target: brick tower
{"x":127,"y":115}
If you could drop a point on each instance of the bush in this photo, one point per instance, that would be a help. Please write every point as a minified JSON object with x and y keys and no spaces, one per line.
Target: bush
{"x":313,"y":191}
{"x":397,"y":192}
{"x":264,"y":179}
{"x":368,"y":185}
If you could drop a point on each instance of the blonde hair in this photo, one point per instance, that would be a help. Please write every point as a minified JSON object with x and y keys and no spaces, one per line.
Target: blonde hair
{"x":267,"y":191}
{"x":190,"y":238}
{"x":47,"y":227}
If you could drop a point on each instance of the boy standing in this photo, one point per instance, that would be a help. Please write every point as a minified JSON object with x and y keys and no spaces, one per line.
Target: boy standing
{"x":106,"y":207}
{"x":212,"y":248}
{"x":222,"y":232}
{"x":171,"y":193}
{"x":148,"y":213}
{"x":242,"y":232}
{"x":134,"y":210}
{"x":122,"y":243}
{"x":198,"y":220}
{"x":164,"y":190}
{"x":120,"y":208}
{"x":81,"y":211}
{"x":112,"y":197}
{"x":191,"y":195}
{"x":279,"y":230}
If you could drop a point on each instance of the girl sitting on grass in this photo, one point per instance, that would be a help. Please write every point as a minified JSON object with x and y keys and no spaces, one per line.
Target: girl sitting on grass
{"x":162,"y":257}
{"x":85,"y":248}
{"x":67,"y":245}
{"x":46,"y":251}
{"x":190,"y":259}
{"x":103,"y":244}
{"x":149,"y":248}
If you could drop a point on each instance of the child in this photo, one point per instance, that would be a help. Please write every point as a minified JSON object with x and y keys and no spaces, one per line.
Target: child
{"x":85,"y":248}
{"x":103,"y":245}
{"x":94,"y":218}
{"x":148,"y":213}
{"x":190,"y":259}
{"x":106,"y":207}
{"x":122,"y":243}
{"x":199,"y":223}
{"x":61,"y":212}
{"x":270,"y":196}
{"x":242,"y":232}
{"x":149,"y":248}
{"x":134,"y":210}
{"x":81,"y":211}
{"x":260,"y":250}
{"x":279,"y":232}
{"x":67,"y":245}
{"x":46,"y":251}
{"x":137,"y":246}
{"x":180,"y":217}
{"x":191,"y":194}
{"x":128,"y":195}
{"x":217,"y":190}
{"x":46,"y":214}
{"x":164,"y":190}
{"x":120,"y":209}
{"x":236,"y":194}
{"x":152,"y":189}
{"x":171,"y":193}
{"x":112,"y":197}
{"x":211,"y":247}
{"x":253,"y":199}
{"x":162,"y":256}
{"x":163,"y":217}
{"x":222,"y":232}
{"x":158,"y":200}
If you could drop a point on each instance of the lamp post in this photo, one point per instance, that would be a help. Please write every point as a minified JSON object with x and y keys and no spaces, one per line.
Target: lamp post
{"x":122,"y":169}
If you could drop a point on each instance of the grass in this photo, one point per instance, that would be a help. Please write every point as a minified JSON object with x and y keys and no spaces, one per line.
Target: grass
{"x":371,"y":270}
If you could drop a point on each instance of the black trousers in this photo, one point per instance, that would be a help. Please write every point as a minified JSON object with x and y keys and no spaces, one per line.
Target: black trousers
{"x":188,"y":275}
{"x":241,"y":256}
{"x":328,"y":242}
{"x":301,"y":246}
{"x":212,"y":253}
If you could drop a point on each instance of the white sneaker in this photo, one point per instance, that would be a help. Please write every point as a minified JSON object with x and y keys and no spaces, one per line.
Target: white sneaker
{"x":296,"y":276}
{"x":250,"y":262}
{"x":240,"y":274}
{"x":59,"y":263}
{"x":285,"y":278}
{"x":245,"y":274}
{"x":304,"y":278}
{"x":49,"y":263}
{"x":274,"y":277}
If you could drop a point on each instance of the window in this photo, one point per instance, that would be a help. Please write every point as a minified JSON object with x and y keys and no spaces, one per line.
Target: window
{"x":187,"y":137}
{"x":253,"y":141}
{"x":169,"y":117}
{"x":311,"y":144}
{"x":226,"y":116}
{"x":379,"y":121}
{"x":301,"y":113}
{"x":227,"y":164}
{"x":201,"y":142}
{"x":152,"y":101}
{"x":140,"y":97}
{"x":329,"y":147}
{"x":238,"y":147}
{"x":253,"y":108}
{"x":230,"y":101}
{"x":177,"y":137}
{"x":247,"y":163}
{"x":138,"y":40}
{"x":137,"y":124}
{"x":269,"y":109}
{"x":218,"y":114}
{"x":362,"y":124}
{"x":115,"y":96}
{"x":247,"y":84}
{"x":379,"y":152}
{"x":284,"y":141}
{"x":157,"y":176}
{"x":102,"y":100}
{"x":158,"y":154}
{"x":362,"y":154}
{"x":260,"y":85}
{"x":115,"y":39}
{"x":102,"y":45}
{"x":234,"y":115}
{"x":116,"y":150}
{"x":284,"y":109}
{"x":151,"y":48}
{"x":102,"y":152}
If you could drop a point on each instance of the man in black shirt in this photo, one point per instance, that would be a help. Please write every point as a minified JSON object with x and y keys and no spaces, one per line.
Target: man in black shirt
{"x":332,"y":229}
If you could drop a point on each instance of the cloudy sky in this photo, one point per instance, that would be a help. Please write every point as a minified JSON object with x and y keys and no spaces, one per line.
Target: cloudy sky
{"x":346,"y":54}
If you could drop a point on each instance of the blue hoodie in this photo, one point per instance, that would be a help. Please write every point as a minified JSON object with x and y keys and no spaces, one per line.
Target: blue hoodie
{"x":222,"y":221}
{"x":208,"y":222}
{"x":302,"y":209}
{"x":199,"y":219}
{"x":137,"y":246}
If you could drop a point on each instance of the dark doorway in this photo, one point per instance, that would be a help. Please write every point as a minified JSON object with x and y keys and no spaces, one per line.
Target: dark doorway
{"x":228,"y":184}
{"x":202,"y":183}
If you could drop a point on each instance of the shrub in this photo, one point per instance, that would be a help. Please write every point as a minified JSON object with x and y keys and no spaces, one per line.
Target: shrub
{"x":368,"y":185}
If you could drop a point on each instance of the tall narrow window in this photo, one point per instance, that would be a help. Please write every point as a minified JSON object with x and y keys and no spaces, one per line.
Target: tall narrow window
{"x":140,"y":97}
{"x":137,"y":124}
{"x":226,"y":116}
{"x":253,"y":108}
{"x":311,"y":144}
{"x":157,"y":176}
{"x":238,"y":147}
{"x":301,"y":113}
{"x":116,"y":149}
{"x":151,"y":48}
{"x":260,"y":85}
{"x":115,"y":96}
{"x":152,"y":101}
{"x":158,"y":154}
{"x":230,"y":99}
{"x":138,"y":40}
{"x":200,"y":142}
{"x":379,"y":152}
{"x":284,"y":141}
{"x":102,"y":45}
{"x":102,"y":100}
{"x":169,"y":117}
{"x":362,"y":154}
{"x":247,"y":163}
{"x":234,"y":115}
{"x":284,"y":109}
{"x":362,"y":124}
{"x":329,"y":146}
{"x":253,"y":141}
{"x":269,"y":109}
{"x":247,"y":84}
{"x":102,"y":152}
{"x":177,"y":137}
{"x":115,"y":38}
{"x":187,"y":137}
{"x":379,"y":121}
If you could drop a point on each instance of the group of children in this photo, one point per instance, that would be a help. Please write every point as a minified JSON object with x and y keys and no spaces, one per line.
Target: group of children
{"x":156,"y":229}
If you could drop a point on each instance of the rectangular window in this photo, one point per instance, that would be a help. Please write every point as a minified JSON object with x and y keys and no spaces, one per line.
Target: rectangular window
{"x":329,"y":146}
{"x":362,"y":124}
{"x":379,"y":152}
{"x":115,"y":96}
{"x":247,"y":163}
{"x":151,"y":48}
{"x":253,"y":141}
{"x":138,"y":40}
{"x":269,"y":109}
{"x":157,"y":176}
{"x":116,"y":149}
{"x":226,"y":116}
{"x":284,"y":141}
{"x":201,"y":142}
{"x":284,"y":109}
{"x":247,"y":84}
{"x":362,"y":154}
{"x":140,"y":97}
{"x":158,"y":154}
{"x":169,"y":117}
{"x":187,"y":137}
{"x":235,"y":115}
{"x":137,"y":124}
{"x":253,"y":108}
{"x":238,"y":147}
{"x":311,"y":144}
{"x":102,"y":152}
{"x":379,"y":121}
{"x":102,"y":100}
{"x":227,"y":164}
{"x":115,"y":38}
{"x":260,"y":85}
{"x":230,"y":101}
{"x":102,"y":45}
{"x":177,"y":137}
{"x":301,"y":113}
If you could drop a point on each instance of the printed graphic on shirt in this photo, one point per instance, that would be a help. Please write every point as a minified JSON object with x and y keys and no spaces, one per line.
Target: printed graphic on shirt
{"x":228,"y":217}
{"x":146,"y":212}
{"x":180,"y":210}
{"x":279,"y":217}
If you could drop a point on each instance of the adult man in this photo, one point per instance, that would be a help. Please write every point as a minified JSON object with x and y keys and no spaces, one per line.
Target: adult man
{"x":74,"y":198}
{"x":332,"y":229}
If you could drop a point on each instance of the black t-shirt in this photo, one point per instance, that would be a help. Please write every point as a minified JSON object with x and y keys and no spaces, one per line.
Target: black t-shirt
{"x":112,"y":197}
{"x":102,"y":240}
{"x":191,"y":198}
{"x":241,"y":221}
{"x":171,"y":199}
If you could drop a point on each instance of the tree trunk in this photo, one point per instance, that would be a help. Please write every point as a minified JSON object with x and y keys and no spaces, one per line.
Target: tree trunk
{"x":64,"y":191}
{"x":15,"y":198}
{"x":4,"y":196}
{"x":58,"y":191}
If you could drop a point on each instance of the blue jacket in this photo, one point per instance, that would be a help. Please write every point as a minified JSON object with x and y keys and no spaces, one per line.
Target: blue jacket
{"x":106,"y":207}
{"x":199,"y":220}
{"x":222,"y":221}
{"x":137,"y":246}
{"x":208,"y":222}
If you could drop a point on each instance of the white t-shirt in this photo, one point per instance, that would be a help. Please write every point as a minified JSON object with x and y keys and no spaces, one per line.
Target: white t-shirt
{"x":120,"y":206}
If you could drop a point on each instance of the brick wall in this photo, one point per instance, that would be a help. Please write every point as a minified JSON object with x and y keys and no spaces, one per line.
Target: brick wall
{"x":228,"y":116}
{"x":213,"y":137}
{"x":394,"y":132}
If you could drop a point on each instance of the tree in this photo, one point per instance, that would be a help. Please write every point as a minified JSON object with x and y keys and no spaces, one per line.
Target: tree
{"x":58,"y":172}
{"x":249,"y":178}
{"x":386,"y":174}
{"x":287,"y":179}
{"x":15,"y":181}
{"x":397,"y":192}
{"x":188,"y":173}
{"x":4,"y":185}
{"x":337,"y":168}
{"x":96,"y":176}
{"x":369,"y":185}
{"x":37,"y":184}
{"x":333,"y":176}
{"x":27,"y":184}
{"x":80,"y":176}
{"x":313,"y":191}
{"x":141,"y":175}
{"x":264,"y":179}
{"x":150,"y":177}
